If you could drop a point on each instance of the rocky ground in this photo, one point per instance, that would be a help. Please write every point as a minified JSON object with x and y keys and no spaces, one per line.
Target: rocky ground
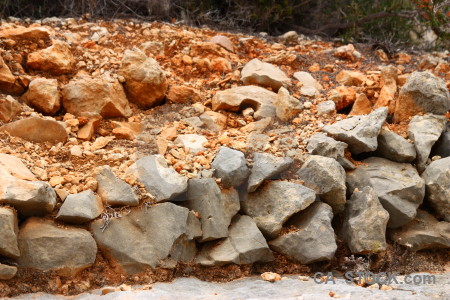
{"x":137,"y":152}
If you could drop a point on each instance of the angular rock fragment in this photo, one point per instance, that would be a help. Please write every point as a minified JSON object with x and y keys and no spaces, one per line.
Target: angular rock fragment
{"x":161,"y":181}
{"x":326,"y":177}
{"x":365,"y":222}
{"x":8,"y":233}
{"x":214,"y":121}
{"x":273,"y":204}
{"x":9,"y":108}
{"x":192,"y":143}
{"x":239,"y":98}
{"x":215,"y":207}
{"x":25,"y":33}
{"x":80,"y":208}
{"x":38,"y":130}
{"x":114,"y":191}
{"x":266,"y":166}
{"x":397,"y":185}
{"x":99,"y":95}
{"x":424,"y":232}
{"x":8,"y":82}
{"x":359,"y":132}
{"x":287,"y":107}
{"x":7,"y":272}
{"x":245,"y":244}
{"x":437,"y":186}
{"x":43,"y":95}
{"x":389,"y":76}
{"x":424,"y":131}
{"x":230,"y":166}
{"x":29,"y":198}
{"x":145,"y":81}
{"x":422,"y":92}
{"x":56,"y":59}
{"x":350,"y":78}
{"x":313,"y":238}
{"x":310,"y":86}
{"x":320,"y":144}
{"x":394,"y":147}
{"x":326,"y":107}
{"x":148,"y":237}
{"x":44,"y":246}
{"x":256,"y":72}
{"x":14,"y":166}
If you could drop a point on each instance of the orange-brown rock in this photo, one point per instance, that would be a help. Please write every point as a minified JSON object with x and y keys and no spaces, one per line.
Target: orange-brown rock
{"x":37,"y":130}
{"x":126,"y":131}
{"x":350,"y":78}
{"x":8,"y":82}
{"x":14,"y":166}
{"x":223,"y":41}
{"x":343,"y":96}
{"x":388,"y":82}
{"x":43,"y":95}
{"x":182,"y":94}
{"x":362,"y":106}
{"x":9,"y":108}
{"x":23,"y":33}
{"x":93,"y":122}
{"x":101,"y":95}
{"x":56,"y":59}
{"x":145,"y":81}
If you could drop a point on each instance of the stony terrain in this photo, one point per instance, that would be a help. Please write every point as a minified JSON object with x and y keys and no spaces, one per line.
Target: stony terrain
{"x":137,"y":152}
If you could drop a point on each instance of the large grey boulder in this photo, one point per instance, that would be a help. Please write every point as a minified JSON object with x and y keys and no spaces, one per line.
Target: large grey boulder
{"x":245,"y":244}
{"x":230,"y":166}
{"x":320,"y":144}
{"x":365,"y":222}
{"x":266,"y":166}
{"x":161,"y":181}
{"x":394,"y":147}
{"x":29,"y":198}
{"x":274,"y":203}
{"x":80,"y":208}
{"x":359,"y":132}
{"x":148,"y":237}
{"x":327,"y":178}
{"x":422,"y":93}
{"x":216,"y":207}
{"x":45,"y":246}
{"x":424,"y":131}
{"x":437,"y":186}
{"x":313,"y":238}
{"x":397,"y":185}
{"x":8,"y":233}
{"x":114,"y":191}
{"x":424,"y":232}
{"x":264,"y":74}
{"x":239,"y":98}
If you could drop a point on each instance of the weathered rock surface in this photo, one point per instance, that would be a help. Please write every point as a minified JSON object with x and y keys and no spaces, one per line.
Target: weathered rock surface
{"x":192,"y":143}
{"x":256,"y":72}
{"x":310,"y":86}
{"x":394,"y":147}
{"x":365,"y":222}
{"x":114,"y":191}
{"x":389,"y":76}
{"x":14,"y":166}
{"x":44,"y":246}
{"x":343,"y":96}
{"x":437,"y":186}
{"x":182,"y":94}
{"x":230,"y":166}
{"x":161,"y":181}
{"x":7,"y":272}
{"x":266,"y":166}
{"x":244,"y":245}
{"x":99,"y":95}
{"x":359,"y":132}
{"x":361,"y":106}
{"x":424,"y":131}
{"x":43,"y":95}
{"x":326,"y":107}
{"x":223,"y":41}
{"x":326,"y":177}
{"x":80,"y":208}
{"x":9,"y":108}
{"x":146,"y":82}
{"x":286,"y":106}
{"x":56,"y":59}
{"x":320,"y":144}
{"x":424,"y":232}
{"x":213,"y":120}
{"x":397,"y":185}
{"x":24,"y":33}
{"x":29,"y":198}
{"x":274,"y":203}
{"x":350,"y":78}
{"x":239,"y":98}
{"x":8,"y":82}
{"x":313,"y":240}
{"x":38,"y":130}
{"x":148,"y":237}
{"x":216,"y":207}
{"x":422,"y":92}
{"x":8,"y":233}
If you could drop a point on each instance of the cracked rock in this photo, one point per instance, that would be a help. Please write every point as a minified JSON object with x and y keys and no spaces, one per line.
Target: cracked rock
{"x":266,"y":166}
{"x":320,"y":144}
{"x":394,"y":147}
